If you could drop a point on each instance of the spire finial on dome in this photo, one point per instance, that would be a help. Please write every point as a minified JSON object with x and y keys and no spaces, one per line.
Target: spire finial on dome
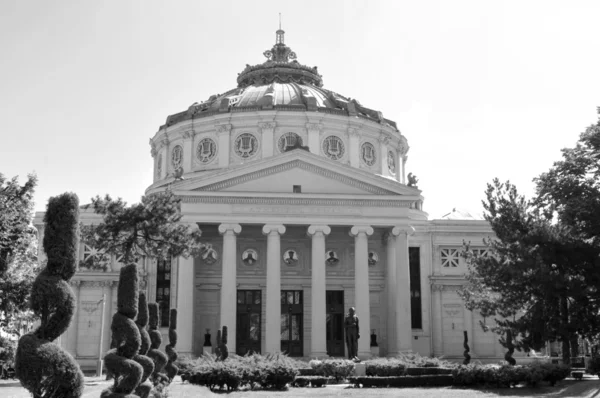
{"x":279,"y":34}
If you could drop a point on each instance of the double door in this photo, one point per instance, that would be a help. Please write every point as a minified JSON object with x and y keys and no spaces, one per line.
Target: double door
{"x":334,"y":300}
{"x":291,"y":322}
{"x":248,"y":321}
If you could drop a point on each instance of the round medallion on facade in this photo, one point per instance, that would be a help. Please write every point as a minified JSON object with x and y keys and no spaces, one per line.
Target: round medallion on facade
{"x":391,"y":161}
{"x":246,"y":145}
{"x":373,"y":259}
{"x":206,"y":150}
{"x":367,"y":154}
{"x":177,"y":156}
{"x":333,"y":147}
{"x":249,"y":257}
{"x":159,"y":165}
{"x":331,"y":257}
{"x":288,"y":140}
{"x":210,"y":255}
{"x":290,"y":257}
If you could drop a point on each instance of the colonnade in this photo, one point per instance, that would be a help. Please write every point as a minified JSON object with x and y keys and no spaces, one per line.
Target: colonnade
{"x":398,"y":287}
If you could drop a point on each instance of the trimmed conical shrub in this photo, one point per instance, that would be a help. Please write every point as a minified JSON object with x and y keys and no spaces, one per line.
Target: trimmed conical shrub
{"x":159,"y":357}
{"x":143,"y":390}
{"x":44,"y":368}
{"x":171,"y":369}
{"x":126,"y":335}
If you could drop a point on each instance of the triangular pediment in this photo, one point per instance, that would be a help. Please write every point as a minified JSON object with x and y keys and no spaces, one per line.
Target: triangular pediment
{"x":278,"y":174}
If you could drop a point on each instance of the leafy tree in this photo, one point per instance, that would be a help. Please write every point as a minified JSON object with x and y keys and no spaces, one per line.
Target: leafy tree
{"x":18,"y":251}
{"x":541,"y":280}
{"x":150,"y":228}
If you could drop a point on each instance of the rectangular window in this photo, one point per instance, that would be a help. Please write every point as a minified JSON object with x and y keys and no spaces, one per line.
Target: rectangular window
{"x":297,"y":188}
{"x":450,"y":258}
{"x":414,"y":261}
{"x":163,"y":289}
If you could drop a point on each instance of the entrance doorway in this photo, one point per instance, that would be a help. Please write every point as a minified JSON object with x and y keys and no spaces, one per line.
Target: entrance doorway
{"x":248,"y":322}
{"x":334,"y":300}
{"x":291,"y":322}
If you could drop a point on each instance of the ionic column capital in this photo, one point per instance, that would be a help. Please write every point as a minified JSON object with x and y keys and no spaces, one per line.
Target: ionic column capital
{"x":403,"y":229}
{"x":315,"y":229}
{"x":360,"y":229}
{"x":278,"y":229}
{"x":223,"y":128}
{"x":230,"y":229}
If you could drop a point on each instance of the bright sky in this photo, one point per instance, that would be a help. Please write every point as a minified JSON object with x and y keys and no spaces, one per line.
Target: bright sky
{"x":481,"y":89}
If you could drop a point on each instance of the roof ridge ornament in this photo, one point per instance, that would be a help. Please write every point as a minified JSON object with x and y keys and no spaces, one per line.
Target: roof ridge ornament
{"x":280,"y":52}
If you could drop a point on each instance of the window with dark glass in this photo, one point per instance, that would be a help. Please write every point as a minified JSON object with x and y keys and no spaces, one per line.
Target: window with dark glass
{"x":163,"y":289}
{"x":414,"y":260}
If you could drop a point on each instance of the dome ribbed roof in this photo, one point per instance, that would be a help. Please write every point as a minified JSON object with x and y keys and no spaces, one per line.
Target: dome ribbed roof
{"x":280,"y":83}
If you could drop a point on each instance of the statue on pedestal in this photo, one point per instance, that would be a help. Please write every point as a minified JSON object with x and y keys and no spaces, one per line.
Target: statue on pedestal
{"x":352,"y":330}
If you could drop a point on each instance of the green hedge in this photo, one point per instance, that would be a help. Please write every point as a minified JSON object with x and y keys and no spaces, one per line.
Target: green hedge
{"x":269,"y":372}
{"x":403,"y":381}
{"x":507,"y":376}
{"x":339,"y":369}
{"x":313,"y":381}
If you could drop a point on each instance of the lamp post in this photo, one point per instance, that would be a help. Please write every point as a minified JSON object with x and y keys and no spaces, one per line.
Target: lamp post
{"x":100,"y":348}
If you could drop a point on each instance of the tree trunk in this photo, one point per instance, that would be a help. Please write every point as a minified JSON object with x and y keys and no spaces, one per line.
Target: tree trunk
{"x":565,"y":336}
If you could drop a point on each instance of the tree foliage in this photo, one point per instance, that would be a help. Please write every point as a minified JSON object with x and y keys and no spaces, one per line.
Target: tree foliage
{"x":18,"y":252}
{"x":150,"y":228}
{"x":541,"y":280}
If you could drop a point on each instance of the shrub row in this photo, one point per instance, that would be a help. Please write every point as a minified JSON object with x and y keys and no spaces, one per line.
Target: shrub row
{"x":268,"y":372}
{"x":403,"y":381}
{"x":407,"y":365}
{"x":507,"y":376}
{"x":314,"y":381}
{"x":339,"y":369}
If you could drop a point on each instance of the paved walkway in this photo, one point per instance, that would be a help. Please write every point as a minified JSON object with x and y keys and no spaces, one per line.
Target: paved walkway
{"x":588,"y":388}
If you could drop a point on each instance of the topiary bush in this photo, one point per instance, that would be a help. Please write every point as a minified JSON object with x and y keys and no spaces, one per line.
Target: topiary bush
{"x":126,"y":336}
{"x":44,"y":368}
{"x":143,"y":390}
{"x":159,"y":357}
{"x":171,"y":369}
{"x":221,"y":350}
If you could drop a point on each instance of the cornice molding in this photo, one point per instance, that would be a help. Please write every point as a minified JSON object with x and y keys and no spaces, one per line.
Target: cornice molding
{"x":218,"y":186}
{"x":296,"y":201}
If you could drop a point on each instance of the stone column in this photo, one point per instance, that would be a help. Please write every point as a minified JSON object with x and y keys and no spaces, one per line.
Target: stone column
{"x":403,"y":174}
{"x":229,"y":282}
{"x":273,"y":305}
{"x":188,"y":151}
{"x":164,"y":156}
{"x":361,"y":286}
{"x":438,"y":344}
{"x":107,"y":290}
{"x":185,"y":305}
{"x":399,"y":168}
{"x":318,"y":342}
{"x":403,"y":318}
{"x":384,"y":140}
{"x":354,"y":152}
{"x":391,"y":293}
{"x":267,"y":129}
{"x":314,"y":137}
{"x":224,"y":132}
{"x":74,"y":326}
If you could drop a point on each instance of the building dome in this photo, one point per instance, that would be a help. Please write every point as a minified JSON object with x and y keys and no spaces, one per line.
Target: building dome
{"x":277,"y":105}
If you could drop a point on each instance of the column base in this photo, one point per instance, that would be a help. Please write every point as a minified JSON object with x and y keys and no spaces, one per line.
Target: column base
{"x":362,"y":355}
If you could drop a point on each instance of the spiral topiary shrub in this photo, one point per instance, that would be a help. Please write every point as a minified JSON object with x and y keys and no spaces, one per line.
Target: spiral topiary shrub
{"x":171,"y":369}
{"x":467,"y":349}
{"x":126,"y":335}
{"x":160,"y":358}
{"x":143,"y":390}
{"x":221,"y":350}
{"x":44,"y":368}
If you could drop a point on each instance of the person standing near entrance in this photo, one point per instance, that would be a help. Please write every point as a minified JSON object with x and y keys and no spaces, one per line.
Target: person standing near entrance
{"x":352,"y":334}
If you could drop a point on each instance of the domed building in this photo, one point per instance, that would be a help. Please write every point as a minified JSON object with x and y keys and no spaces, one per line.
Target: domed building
{"x":303,"y":199}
